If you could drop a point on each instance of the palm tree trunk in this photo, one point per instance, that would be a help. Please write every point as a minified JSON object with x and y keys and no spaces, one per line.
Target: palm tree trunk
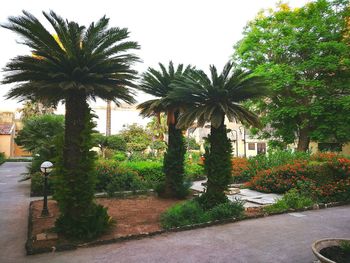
{"x":218,"y":167}
{"x":78,"y":192}
{"x":108,"y":118}
{"x":174,"y":162}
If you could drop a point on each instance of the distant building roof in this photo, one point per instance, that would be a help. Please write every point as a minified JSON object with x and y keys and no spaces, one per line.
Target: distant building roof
{"x":6,"y":128}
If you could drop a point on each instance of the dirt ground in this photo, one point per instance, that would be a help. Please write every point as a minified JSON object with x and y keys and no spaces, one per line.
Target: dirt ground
{"x":134,"y":215}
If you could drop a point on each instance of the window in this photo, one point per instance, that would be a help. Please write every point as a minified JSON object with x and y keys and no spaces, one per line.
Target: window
{"x":251,"y":146}
{"x":330,"y":147}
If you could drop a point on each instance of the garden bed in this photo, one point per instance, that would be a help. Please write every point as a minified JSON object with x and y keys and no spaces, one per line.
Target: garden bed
{"x":137,"y":217}
{"x":134,"y":216}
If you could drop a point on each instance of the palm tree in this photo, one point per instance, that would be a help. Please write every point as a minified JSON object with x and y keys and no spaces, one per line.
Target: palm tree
{"x":77,"y":64}
{"x":158,"y":83}
{"x":211,"y":101}
{"x":108,"y":118}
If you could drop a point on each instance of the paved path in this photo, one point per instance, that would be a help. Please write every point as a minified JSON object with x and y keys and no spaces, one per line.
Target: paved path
{"x":283,"y":238}
{"x":14,"y":202}
{"x":252,"y":198}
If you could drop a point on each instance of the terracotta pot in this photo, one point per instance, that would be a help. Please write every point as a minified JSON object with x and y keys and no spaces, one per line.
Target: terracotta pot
{"x":318,"y":245}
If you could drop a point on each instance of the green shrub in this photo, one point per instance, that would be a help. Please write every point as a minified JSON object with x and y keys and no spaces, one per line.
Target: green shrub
{"x":151,"y":172}
{"x":345,"y":246}
{"x":112,"y":177}
{"x":191,"y":212}
{"x":191,"y":144}
{"x":274,"y":159}
{"x":37,"y":185}
{"x":227,"y":210}
{"x":119,"y":156}
{"x":187,"y":213}
{"x":291,"y":200}
{"x":194,"y":171}
{"x":2,"y":157}
{"x":94,"y":223}
{"x":125,"y":182}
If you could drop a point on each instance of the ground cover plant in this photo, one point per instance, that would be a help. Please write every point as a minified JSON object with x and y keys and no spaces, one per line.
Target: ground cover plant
{"x":191,"y":212}
{"x":293,"y":199}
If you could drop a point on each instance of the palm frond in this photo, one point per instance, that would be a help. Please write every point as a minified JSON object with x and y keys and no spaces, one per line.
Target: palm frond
{"x":95,"y":60}
{"x":213,"y":99}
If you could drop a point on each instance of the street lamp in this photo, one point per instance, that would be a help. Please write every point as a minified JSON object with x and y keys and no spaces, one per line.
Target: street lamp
{"x":46,"y":168}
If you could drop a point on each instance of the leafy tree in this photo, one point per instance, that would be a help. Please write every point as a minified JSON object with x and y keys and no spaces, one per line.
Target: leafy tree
{"x":80,"y":63}
{"x":191,"y":144}
{"x":113,"y":142}
{"x":305,"y":55}
{"x":212,"y":100}
{"x":117,"y":142}
{"x":136,"y":137}
{"x":158,"y":83}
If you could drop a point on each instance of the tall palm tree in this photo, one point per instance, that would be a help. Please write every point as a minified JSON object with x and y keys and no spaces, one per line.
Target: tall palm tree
{"x":211,"y":101}
{"x":158,"y":83}
{"x":74,"y":65}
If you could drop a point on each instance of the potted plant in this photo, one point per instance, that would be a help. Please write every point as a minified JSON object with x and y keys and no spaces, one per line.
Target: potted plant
{"x":332,"y":250}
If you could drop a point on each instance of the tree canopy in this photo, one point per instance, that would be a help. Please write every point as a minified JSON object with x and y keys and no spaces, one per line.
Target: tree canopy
{"x":304,"y":54}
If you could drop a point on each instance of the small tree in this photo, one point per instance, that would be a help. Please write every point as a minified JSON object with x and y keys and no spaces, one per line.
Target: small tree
{"x":136,"y":137}
{"x":113,"y":142}
{"x":158,"y":83}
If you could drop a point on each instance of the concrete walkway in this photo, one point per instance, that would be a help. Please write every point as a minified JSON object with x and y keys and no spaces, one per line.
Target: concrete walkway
{"x":14,"y":203}
{"x":283,"y":238}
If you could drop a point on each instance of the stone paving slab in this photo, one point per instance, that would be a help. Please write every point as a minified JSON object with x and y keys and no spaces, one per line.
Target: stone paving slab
{"x":251,"y":197}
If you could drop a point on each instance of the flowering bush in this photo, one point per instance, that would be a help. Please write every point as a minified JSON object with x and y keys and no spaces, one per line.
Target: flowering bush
{"x":240,"y":170}
{"x":340,"y":167}
{"x":334,"y":191}
{"x":279,"y":179}
{"x":323,"y":156}
{"x":326,"y":180}
{"x":244,"y":169}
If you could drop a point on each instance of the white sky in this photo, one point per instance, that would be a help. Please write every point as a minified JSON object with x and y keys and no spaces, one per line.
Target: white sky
{"x":197,"y":32}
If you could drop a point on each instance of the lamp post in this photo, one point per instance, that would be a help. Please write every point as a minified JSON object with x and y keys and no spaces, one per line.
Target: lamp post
{"x":46,"y":168}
